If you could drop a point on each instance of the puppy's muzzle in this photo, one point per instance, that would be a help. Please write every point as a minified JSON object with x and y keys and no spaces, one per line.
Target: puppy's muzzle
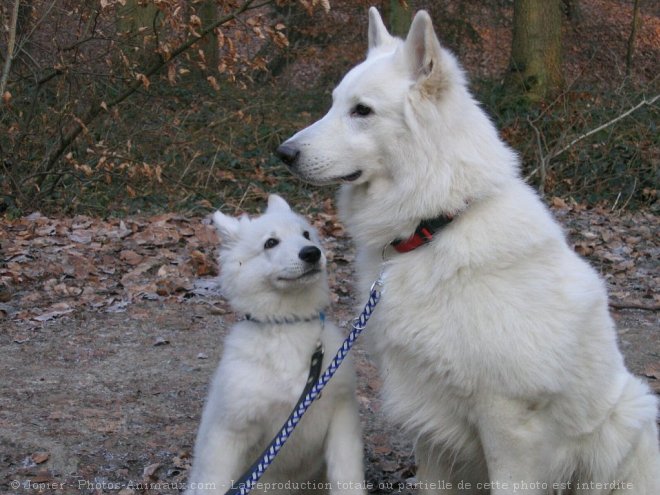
{"x":310,"y":254}
{"x":288,"y":154}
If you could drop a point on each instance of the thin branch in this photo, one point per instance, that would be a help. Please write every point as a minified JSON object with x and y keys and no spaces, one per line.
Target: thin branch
{"x":215,"y":157}
{"x":545,"y":162}
{"x":26,"y":38}
{"x":33,"y":107}
{"x":634,"y":305}
{"x":632,"y":38}
{"x":13,"y":23}
{"x":605,"y":125}
{"x":543,"y":159}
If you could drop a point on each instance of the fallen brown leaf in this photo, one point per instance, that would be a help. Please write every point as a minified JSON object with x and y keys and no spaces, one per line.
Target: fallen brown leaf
{"x":40,"y":457}
{"x":149,"y":472}
{"x":42,"y":476}
{"x":130,"y":257}
{"x":54,"y":311}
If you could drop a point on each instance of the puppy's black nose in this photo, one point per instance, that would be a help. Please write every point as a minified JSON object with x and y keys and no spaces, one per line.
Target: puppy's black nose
{"x":287,"y":153}
{"x":310,"y":254}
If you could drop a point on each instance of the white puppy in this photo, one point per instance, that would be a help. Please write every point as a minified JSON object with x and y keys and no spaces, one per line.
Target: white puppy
{"x":494,"y":341}
{"x":273,"y":271}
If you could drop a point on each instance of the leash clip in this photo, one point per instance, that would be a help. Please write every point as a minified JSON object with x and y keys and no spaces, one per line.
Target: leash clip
{"x":375,"y":292}
{"x":377,"y":285}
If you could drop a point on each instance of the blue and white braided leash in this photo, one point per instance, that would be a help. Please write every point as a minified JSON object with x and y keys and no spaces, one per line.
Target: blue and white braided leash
{"x":250,"y":478}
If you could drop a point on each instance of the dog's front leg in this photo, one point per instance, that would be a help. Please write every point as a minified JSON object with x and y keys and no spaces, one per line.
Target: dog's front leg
{"x":220,"y":457}
{"x":434,"y":470}
{"x":343,"y":450}
{"x":517,"y":444}
{"x":439,"y":472}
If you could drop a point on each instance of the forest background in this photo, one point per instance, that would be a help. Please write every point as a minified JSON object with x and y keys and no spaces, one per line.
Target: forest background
{"x":123,"y":106}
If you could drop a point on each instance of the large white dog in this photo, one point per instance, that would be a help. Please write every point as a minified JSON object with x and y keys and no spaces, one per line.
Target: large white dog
{"x":493,"y":337}
{"x":273,"y":269}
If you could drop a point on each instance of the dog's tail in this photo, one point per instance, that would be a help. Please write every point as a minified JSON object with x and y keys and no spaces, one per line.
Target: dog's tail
{"x":627,"y":456}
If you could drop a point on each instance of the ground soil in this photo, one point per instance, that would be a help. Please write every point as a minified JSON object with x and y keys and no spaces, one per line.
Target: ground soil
{"x":109,"y":402}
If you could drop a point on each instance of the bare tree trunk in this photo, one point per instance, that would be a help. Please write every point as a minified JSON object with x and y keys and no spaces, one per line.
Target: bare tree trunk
{"x":11,"y":43}
{"x":630,"y":52}
{"x":208,"y":12}
{"x":399,"y":15}
{"x":573,"y":10}
{"x":133,"y":16}
{"x":536,"y":47}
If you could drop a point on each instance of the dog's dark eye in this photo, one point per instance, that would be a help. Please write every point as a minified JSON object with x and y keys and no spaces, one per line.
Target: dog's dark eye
{"x":271,"y":243}
{"x":361,"y":110}
{"x":306,"y":235}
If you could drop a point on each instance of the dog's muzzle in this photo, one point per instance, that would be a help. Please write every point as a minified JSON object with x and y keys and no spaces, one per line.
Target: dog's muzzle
{"x":288,"y":154}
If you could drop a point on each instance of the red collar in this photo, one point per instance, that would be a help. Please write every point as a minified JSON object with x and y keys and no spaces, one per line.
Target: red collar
{"x":423,"y":234}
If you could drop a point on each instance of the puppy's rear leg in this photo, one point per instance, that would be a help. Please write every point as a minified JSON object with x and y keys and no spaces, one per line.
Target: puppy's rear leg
{"x":343,"y":449}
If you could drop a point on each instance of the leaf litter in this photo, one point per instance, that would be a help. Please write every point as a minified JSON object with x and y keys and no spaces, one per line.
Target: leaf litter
{"x":51,"y":267}
{"x":54,"y":266}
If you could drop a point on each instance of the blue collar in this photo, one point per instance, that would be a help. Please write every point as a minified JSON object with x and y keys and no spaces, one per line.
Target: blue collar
{"x":288,"y":320}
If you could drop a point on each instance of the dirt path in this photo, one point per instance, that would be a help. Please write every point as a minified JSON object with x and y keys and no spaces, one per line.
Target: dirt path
{"x":103,"y":400}
{"x":109,"y":401}
{"x":96,"y":401}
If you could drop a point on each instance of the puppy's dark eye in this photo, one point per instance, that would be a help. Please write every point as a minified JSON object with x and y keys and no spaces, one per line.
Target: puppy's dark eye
{"x":306,"y":235}
{"x":271,"y":243}
{"x":361,"y":110}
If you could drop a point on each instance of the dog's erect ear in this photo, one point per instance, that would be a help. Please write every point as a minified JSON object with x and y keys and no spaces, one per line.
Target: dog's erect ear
{"x":423,"y":52}
{"x":378,"y":34}
{"x":277,"y":203}
{"x":227,"y":226}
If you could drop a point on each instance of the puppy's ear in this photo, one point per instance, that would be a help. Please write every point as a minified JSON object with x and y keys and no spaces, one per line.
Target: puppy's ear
{"x":425,"y":57}
{"x":277,"y":203}
{"x":227,"y":226}
{"x":378,"y":34}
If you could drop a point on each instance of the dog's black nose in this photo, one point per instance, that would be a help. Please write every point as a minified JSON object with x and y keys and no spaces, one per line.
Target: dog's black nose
{"x":287,"y":153}
{"x":310,"y":254}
